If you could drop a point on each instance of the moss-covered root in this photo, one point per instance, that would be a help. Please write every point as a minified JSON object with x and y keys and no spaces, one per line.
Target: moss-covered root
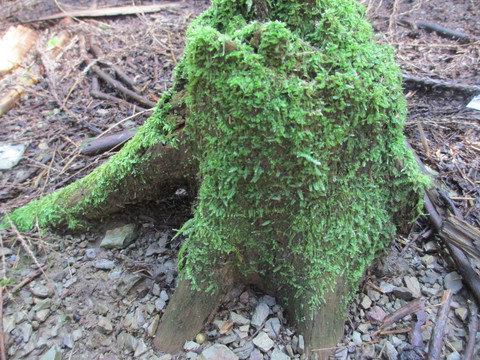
{"x":156,"y":174}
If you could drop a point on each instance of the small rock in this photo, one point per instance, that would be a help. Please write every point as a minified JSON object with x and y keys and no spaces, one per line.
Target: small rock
{"x":454,"y":356}
{"x":386,"y":287}
{"x":8,"y":324}
{"x":77,"y":334}
{"x":256,"y":355}
{"x":263,"y":342}
{"x":41,"y":291}
{"x":217,"y":352}
{"x":390,"y":351}
{"x":461,"y":313}
{"x":126,"y":283}
{"x":191,"y":346}
{"x":244,"y":297}
{"x":52,"y":354}
{"x":164,"y":295}
{"x":403,"y":293}
{"x":42,"y":315}
{"x":140,"y":349}
{"x":238,"y":319}
{"x":154,"y":249}
{"x":261,"y":313}
{"x":90,"y":254}
{"x":374,"y":294}
{"x":165,"y":357}
{"x":225,"y":340}
{"x":159,"y":304}
{"x":376,"y":315}
{"x":70,"y":282}
{"x":102,"y":309}
{"x":152,"y":328}
{"x":356,"y":338}
{"x":10,"y":155}
{"x":245,"y":351}
{"x":341,"y":354}
{"x":26,"y":330}
{"x":366,"y":302}
{"x":301,"y":344}
{"x":104,"y":264}
{"x":430,"y":247}
{"x":453,"y":281}
{"x":119,"y":238}
{"x":67,"y":342}
{"x":269,"y":300}
{"x":364,"y":328}
{"x":105,"y":324}
{"x":156,"y":290}
{"x":428,"y":260}
{"x":278,"y":355}
{"x":368,"y":352}
{"x":413,"y":285}
{"x":273,"y":325}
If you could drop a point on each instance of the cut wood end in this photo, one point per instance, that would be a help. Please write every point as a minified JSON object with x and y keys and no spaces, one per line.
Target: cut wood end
{"x":15,"y":44}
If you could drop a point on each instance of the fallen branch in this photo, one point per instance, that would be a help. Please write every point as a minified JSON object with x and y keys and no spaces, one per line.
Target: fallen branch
{"x":436,"y":341}
{"x":444,"y":32}
{"x":408,"y":309}
{"x":103,"y":144}
{"x":112,"y":11}
{"x":117,"y":85}
{"x":98,"y":54}
{"x":101,"y":95}
{"x":430,"y":83}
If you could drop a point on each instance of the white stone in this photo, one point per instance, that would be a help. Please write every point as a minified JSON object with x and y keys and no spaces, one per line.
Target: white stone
{"x":10,"y":155}
{"x":263,"y":342}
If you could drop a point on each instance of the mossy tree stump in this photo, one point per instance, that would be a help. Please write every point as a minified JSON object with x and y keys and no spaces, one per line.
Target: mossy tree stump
{"x":289,"y":118}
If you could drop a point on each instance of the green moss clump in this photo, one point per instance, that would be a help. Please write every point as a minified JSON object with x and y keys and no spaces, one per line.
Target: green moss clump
{"x":296,"y":117}
{"x":68,"y":206}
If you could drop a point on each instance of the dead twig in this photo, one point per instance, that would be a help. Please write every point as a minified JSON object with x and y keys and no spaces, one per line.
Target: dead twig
{"x":431,"y":83}
{"x":113,"y":11}
{"x":408,"y":309}
{"x":444,"y":32}
{"x":30,"y":253}
{"x":436,"y":341}
{"x":101,"y":95}
{"x":345,"y":346}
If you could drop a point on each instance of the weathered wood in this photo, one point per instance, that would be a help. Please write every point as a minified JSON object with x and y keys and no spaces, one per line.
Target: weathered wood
{"x":459,"y":236}
{"x":105,"y":143}
{"x":188,"y":312}
{"x":444,"y":32}
{"x":436,"y":341}
{"x":15,"y":45}
{"x":472,"y":331}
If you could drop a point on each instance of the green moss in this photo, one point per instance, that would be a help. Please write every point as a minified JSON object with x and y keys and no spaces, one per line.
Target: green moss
{"x":67,"y":206}
{"x":297,"y":118}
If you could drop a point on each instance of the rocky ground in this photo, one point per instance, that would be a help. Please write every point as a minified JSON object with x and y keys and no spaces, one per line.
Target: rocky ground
{"x":101,"y":300}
